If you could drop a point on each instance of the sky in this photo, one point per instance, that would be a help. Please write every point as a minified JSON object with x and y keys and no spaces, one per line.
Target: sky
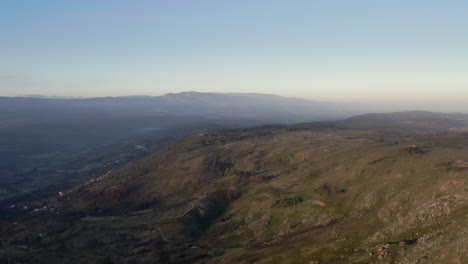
{"x":360,"y":50}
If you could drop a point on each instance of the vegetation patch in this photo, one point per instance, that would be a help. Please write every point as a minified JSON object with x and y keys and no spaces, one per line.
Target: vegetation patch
{"x":289,"y":201}
{"x":330,"y":191}
{"x":217,"y":166}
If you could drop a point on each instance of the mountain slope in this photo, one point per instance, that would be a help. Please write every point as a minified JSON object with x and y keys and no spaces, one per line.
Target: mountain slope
{"x":301,"y":194}
{"x":413,"y":120}
{"x":42,"y":137}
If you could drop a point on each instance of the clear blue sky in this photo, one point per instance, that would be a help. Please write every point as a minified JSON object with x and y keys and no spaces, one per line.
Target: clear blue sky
{"x":323,"y":49}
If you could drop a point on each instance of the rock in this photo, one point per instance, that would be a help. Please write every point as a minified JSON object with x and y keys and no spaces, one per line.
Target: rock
{"x":460,"y":165}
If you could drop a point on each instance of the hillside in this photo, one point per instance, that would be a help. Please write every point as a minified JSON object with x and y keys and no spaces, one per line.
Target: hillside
{"x":412,"y":120}
{"x":311,"y":193}
{"x":45,"y":142}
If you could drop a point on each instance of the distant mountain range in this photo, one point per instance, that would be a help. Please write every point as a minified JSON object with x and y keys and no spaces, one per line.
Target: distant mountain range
{"x":270,"y":108}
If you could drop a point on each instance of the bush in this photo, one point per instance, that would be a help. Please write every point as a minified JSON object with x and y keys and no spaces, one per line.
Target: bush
{"x":289,"y":201}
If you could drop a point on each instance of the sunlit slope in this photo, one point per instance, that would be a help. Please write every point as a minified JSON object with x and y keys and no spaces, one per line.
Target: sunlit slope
{"x":311,"y":194}
{"x":304,"y":194}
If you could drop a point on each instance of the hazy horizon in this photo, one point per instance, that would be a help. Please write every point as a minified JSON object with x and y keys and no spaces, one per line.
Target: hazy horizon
{"x":355,"y":106}
{"x":320,"y":50}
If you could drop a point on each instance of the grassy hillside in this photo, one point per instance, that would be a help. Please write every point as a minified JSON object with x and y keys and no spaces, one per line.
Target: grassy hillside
{"x":301,"y":194}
